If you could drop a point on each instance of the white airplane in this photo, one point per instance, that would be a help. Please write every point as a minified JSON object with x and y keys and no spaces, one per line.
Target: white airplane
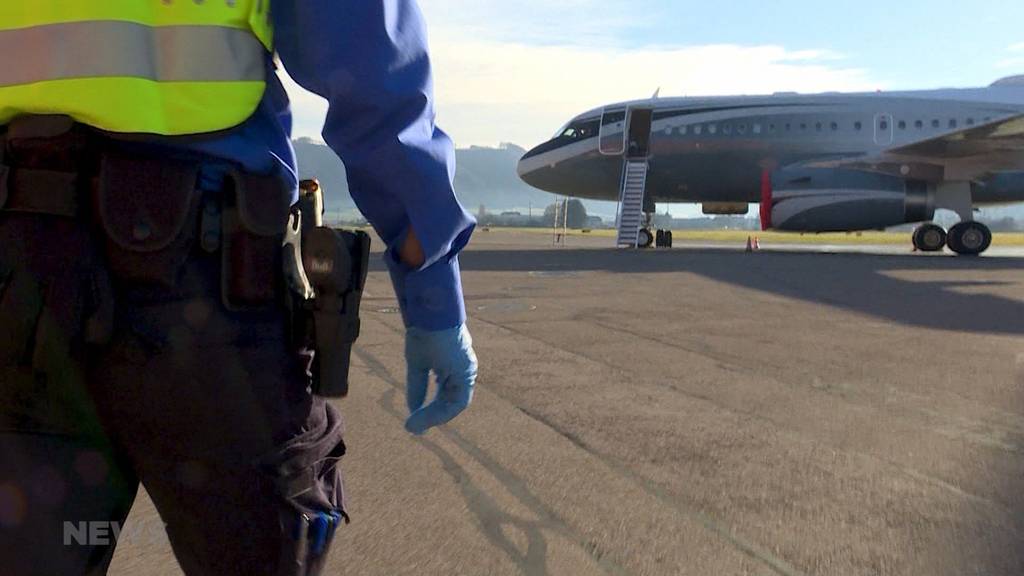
{"x":815,"y":163}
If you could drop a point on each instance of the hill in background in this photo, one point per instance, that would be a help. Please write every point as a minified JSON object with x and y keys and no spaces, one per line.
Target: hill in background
{"x":484,"y":177}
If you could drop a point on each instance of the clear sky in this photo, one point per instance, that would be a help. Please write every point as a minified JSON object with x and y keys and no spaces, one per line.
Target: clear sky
{"x":515,"y":70}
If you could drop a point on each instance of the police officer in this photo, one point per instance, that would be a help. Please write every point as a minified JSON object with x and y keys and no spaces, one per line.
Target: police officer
{"x":145,"y":177}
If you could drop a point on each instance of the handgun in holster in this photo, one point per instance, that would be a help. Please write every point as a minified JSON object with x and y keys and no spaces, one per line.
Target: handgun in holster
{"x":325,"y":269}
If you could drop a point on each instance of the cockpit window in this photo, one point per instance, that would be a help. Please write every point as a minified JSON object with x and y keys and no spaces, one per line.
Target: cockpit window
{"x":575,"y":131}
{"x":580,"y":130}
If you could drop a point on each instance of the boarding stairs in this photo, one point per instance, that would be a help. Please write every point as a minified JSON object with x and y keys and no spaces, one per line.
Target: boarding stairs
{"x":631,"y":201}
{"x":560,"y":223}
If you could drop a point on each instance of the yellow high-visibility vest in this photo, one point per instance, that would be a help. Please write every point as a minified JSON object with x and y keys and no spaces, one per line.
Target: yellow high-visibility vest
{"x":167,"y":67}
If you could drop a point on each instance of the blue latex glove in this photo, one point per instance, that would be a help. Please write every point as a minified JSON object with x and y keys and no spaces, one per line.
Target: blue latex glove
{"x":449,"y":355}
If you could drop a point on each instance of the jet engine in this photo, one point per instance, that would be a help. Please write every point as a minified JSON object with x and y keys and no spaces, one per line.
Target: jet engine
{"x":832,"y":200}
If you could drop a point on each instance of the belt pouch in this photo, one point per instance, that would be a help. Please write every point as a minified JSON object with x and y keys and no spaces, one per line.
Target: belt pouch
{"x":148,"y":210}
{"x":254,"y":222}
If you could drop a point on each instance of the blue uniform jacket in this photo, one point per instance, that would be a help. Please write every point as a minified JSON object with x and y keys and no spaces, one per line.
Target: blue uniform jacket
{"x":369,"y":59}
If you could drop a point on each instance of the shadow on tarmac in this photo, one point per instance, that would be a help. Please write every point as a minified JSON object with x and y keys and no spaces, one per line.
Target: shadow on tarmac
{"x":857,"y":282}
{"x":871,"y":284}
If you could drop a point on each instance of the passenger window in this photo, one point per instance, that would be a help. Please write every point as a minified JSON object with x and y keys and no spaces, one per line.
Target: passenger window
{"x":803,"y":126}
{"x":726,"y":129}
{"x":858,"y":126}
{"x":789,"y":127}
{"x":741,"y":129}
{"x":712,"y":128}
{"x":698,"y":129}
{"x":903,"y":125}
{"x":936,"y":124}
{"x":757,"y":128}
{"x":883,"y":125}
{"x":682,"y":130}
{"x":818,"y":126}
{"x":952,"y":123}
{"x":970,"y":121}
{"x":834,"y":126}
{"x":919,"y":124}
{"x":771,"y":128}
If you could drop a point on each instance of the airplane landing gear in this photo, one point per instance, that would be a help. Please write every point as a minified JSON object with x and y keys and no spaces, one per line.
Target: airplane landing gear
{"x":663,"y":239}
{"x":644,"y":238}
{"x":929,"y":238}
{"x":969,"y":238}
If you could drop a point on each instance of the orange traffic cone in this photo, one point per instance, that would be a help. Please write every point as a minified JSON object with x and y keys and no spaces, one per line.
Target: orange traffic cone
{"x":750,"y":244}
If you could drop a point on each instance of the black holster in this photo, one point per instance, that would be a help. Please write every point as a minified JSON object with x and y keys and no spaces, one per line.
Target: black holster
{"x":326,"y":272}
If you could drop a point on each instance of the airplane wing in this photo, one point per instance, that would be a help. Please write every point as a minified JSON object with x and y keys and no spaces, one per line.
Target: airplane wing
{"x":964,"y":155}
{"x":994,"y":137}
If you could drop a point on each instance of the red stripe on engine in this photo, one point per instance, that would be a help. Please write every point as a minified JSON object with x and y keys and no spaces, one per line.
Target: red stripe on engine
{"x":766,"y":200}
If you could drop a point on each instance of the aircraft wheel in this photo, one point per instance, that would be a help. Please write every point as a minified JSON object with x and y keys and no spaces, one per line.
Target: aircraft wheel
{"x":659,"y":239}
{"x":644,"y":238}
{"x":668,"y":238}
{"x":929,"y":238}
{"x":969,"y":238}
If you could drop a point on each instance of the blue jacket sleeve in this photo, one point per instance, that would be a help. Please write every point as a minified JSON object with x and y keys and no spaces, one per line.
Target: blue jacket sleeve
{"x":369,"y":59}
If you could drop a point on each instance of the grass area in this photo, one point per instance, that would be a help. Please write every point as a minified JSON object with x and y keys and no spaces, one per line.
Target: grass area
{"x":735,"y":236}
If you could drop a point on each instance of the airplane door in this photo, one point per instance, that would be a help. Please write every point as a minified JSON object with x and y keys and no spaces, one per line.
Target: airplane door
{"x":612,"y":136}
{"x":883,"y":129}
{"x":638,"y":145}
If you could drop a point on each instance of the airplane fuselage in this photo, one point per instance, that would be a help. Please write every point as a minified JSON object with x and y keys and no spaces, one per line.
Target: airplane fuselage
{"x":717,"y":149}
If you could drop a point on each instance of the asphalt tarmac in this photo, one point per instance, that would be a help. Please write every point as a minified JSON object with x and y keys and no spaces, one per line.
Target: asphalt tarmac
{"x":696,"y":411}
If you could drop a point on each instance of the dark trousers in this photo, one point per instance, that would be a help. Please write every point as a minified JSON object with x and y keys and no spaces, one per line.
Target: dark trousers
{"x":209,"y":409}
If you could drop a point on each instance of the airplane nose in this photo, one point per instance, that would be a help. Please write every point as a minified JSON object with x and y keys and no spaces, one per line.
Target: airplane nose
{"x":525,"y":166}
{"x":521,"y":168}
{"x":525,"y":170}
{"x":554,"y":165}
{"x":531,"y":162}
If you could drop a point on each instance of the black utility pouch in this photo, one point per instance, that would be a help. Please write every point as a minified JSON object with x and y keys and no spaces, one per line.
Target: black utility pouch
{"x":148,"y":209}
{"x":255,"y":215}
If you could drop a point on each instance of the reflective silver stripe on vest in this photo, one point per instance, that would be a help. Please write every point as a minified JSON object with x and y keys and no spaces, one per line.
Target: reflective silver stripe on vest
{"x":104,"y":49}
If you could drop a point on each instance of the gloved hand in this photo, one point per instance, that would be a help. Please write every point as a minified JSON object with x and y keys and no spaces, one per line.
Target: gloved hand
{"x":449,"y":355}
